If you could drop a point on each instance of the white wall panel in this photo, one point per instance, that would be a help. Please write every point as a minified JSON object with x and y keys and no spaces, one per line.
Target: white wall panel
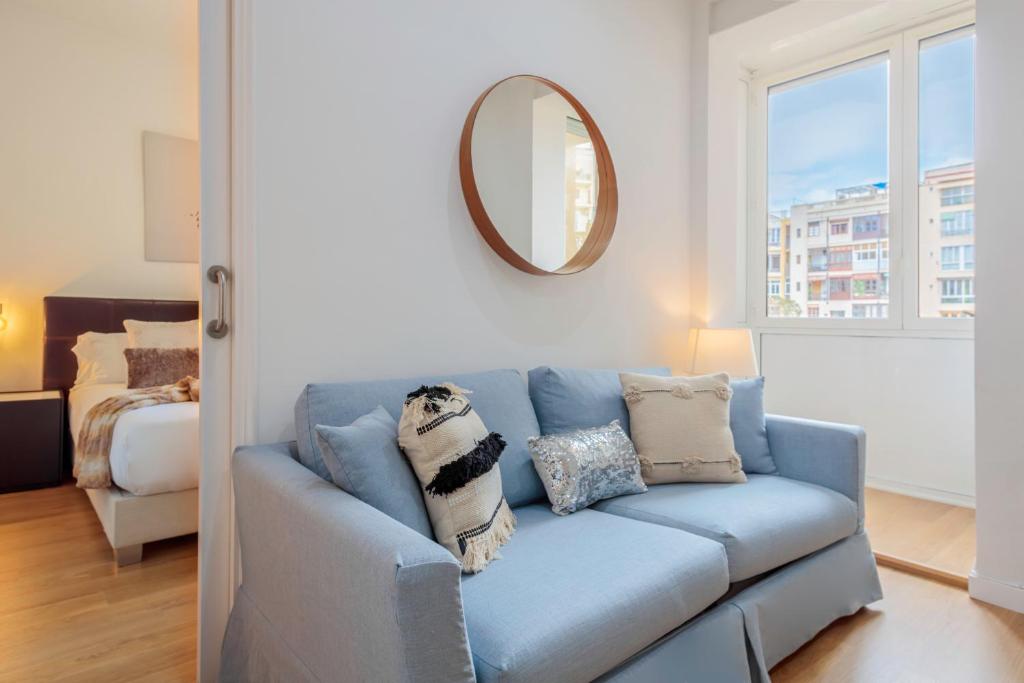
{"x":914,"y":396}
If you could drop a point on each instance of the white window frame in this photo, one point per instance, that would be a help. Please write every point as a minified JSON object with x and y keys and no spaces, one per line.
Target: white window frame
{"x":903,"y":51}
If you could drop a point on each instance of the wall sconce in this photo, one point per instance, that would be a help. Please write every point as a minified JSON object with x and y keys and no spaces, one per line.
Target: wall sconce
{"x":3,"y":320}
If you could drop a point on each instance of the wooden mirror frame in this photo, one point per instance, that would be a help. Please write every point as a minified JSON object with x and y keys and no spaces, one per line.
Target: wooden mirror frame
{"x":607,"y":198}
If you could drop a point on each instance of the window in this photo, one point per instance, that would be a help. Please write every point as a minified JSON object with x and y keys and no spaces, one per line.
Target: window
{"x":774,"y":263}
{"x":839,"y":259}
{"x":958,"y":258}
{"x":945,"y":172}
{"x":957,"y":223}
{"x":958,"y":291}
{"x":951,"y":258}
{"x":955,"y":196}
{"x":812,"y":312}
{"x":864,"y":226}
{"x":839,"y":288}
{"x":865,"y":288}
{"x":823,"y":142}
{"x":866,"y":253}
{"x":869,"y":311}
{"x":773,"y":287}
{"x":836,"y":186}
{"x":773,"y":235}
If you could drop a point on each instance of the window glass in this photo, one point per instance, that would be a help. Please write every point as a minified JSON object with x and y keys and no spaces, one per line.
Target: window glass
{"x":946,"y":174}
{"x":828,"y":191}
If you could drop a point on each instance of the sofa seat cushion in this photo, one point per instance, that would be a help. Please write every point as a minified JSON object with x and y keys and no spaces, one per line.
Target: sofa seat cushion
{"x":574,"y":596}
{"x":763,"y":524}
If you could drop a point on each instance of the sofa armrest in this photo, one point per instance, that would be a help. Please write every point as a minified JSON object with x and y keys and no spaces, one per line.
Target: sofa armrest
{"x":352,"y":593}
{"x":823,"y":453}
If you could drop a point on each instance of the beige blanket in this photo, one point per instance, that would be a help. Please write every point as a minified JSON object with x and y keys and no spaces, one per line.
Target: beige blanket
{"x":92,"y":453}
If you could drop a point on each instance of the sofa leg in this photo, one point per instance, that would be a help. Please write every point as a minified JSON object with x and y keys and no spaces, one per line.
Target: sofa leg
{"x":130,"y":554}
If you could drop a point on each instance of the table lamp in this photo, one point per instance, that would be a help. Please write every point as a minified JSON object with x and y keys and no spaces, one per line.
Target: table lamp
{"x":723,"y":350}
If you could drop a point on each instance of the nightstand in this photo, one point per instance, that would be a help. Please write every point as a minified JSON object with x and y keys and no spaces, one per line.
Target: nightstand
{"x":31,"y":439}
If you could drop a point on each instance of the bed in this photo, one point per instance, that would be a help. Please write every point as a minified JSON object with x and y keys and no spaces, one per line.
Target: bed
{"x":154,"y":457}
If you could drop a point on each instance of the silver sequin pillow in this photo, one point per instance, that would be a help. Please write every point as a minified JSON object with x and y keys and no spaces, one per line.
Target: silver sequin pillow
{"x":582,"y":467}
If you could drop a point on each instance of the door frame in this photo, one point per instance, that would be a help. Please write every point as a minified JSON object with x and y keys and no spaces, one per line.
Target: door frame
{"x":228,"y":368}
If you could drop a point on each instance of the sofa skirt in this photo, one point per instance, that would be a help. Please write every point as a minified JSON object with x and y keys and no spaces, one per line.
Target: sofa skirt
{"x":789,"y":607}
{"x":751,"y":631}
{"x":252,"y":652}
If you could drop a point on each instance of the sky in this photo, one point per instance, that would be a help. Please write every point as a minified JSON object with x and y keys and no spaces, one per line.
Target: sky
{"x":830,"y":132}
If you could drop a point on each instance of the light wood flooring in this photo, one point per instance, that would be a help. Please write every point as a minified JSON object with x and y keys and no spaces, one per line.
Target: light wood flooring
{"x":67,"y":613}
{"x":922,"y":631}
{"x":929,"y":534}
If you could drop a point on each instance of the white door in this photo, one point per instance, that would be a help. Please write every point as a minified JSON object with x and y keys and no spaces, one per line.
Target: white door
{"x":226,"y":347}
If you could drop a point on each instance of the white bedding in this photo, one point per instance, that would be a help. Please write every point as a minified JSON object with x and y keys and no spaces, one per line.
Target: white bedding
{"x":153,"y":450}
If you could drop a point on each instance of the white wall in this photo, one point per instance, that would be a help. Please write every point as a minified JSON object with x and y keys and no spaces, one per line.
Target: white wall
{"x":999,"y":329}
{"x":79,"y":86}
{"x":368,"y":263}
{"x":914,"y":397}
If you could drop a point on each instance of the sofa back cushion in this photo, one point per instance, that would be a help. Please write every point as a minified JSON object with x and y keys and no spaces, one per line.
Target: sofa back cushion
{"x":746,"y":417}
{"x":567,"y":399}
{"x":499,"y":397}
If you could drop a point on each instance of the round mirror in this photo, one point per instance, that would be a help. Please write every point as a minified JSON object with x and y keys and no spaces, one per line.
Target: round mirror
{"x":537,"y":177}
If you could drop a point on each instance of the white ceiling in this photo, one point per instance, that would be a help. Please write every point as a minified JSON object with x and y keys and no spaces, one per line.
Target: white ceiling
{"x":810,"y":28}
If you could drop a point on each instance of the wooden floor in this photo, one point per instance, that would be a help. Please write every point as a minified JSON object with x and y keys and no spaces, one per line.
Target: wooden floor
{"x":921,"y":531}
{"x":921,"y":631}
{"x":67,"y":613}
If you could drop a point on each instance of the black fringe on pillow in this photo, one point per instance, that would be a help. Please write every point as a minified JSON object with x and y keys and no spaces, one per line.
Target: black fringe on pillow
{"x":434,"y":395}
{"x":457,"y":473}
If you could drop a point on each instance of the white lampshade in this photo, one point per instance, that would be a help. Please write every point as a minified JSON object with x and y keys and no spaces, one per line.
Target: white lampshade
{"x":729,"y":350}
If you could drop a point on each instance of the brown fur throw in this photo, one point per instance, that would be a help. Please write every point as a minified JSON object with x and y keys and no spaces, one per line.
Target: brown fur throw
{"x":92,"y":453}
{"x":151,"y":367}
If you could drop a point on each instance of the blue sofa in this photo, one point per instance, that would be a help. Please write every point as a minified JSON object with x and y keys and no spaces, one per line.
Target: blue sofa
{"x":692,"y":582}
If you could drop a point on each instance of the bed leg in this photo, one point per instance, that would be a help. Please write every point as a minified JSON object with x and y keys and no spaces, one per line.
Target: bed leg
{"x":130,"y":554}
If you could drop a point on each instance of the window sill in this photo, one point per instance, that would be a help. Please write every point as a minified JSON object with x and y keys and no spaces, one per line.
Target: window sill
{"x":852,"y":328}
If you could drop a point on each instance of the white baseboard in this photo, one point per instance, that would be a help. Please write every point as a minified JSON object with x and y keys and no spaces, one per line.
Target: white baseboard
{"x":915,"y":491}
{"x":996,"y":592}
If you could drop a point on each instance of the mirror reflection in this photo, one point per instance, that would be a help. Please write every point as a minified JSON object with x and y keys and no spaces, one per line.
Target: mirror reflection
{"x":536,"y":171}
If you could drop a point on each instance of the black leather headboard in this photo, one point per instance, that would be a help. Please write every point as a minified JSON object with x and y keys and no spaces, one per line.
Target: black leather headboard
{"x":66,"y":317}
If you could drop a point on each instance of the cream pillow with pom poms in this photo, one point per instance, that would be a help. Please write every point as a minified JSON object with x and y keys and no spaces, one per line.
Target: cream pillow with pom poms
{"x":680,"y":428}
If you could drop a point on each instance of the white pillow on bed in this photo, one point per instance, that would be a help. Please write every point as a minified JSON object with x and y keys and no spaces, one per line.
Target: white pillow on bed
{"x":161,"y":335}
{"x":101,"y":358}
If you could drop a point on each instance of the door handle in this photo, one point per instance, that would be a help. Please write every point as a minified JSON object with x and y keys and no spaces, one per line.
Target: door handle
{"x":218,"y":327}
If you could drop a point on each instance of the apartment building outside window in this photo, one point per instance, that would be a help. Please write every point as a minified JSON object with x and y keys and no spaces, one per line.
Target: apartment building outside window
{"x":829,"y":140}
